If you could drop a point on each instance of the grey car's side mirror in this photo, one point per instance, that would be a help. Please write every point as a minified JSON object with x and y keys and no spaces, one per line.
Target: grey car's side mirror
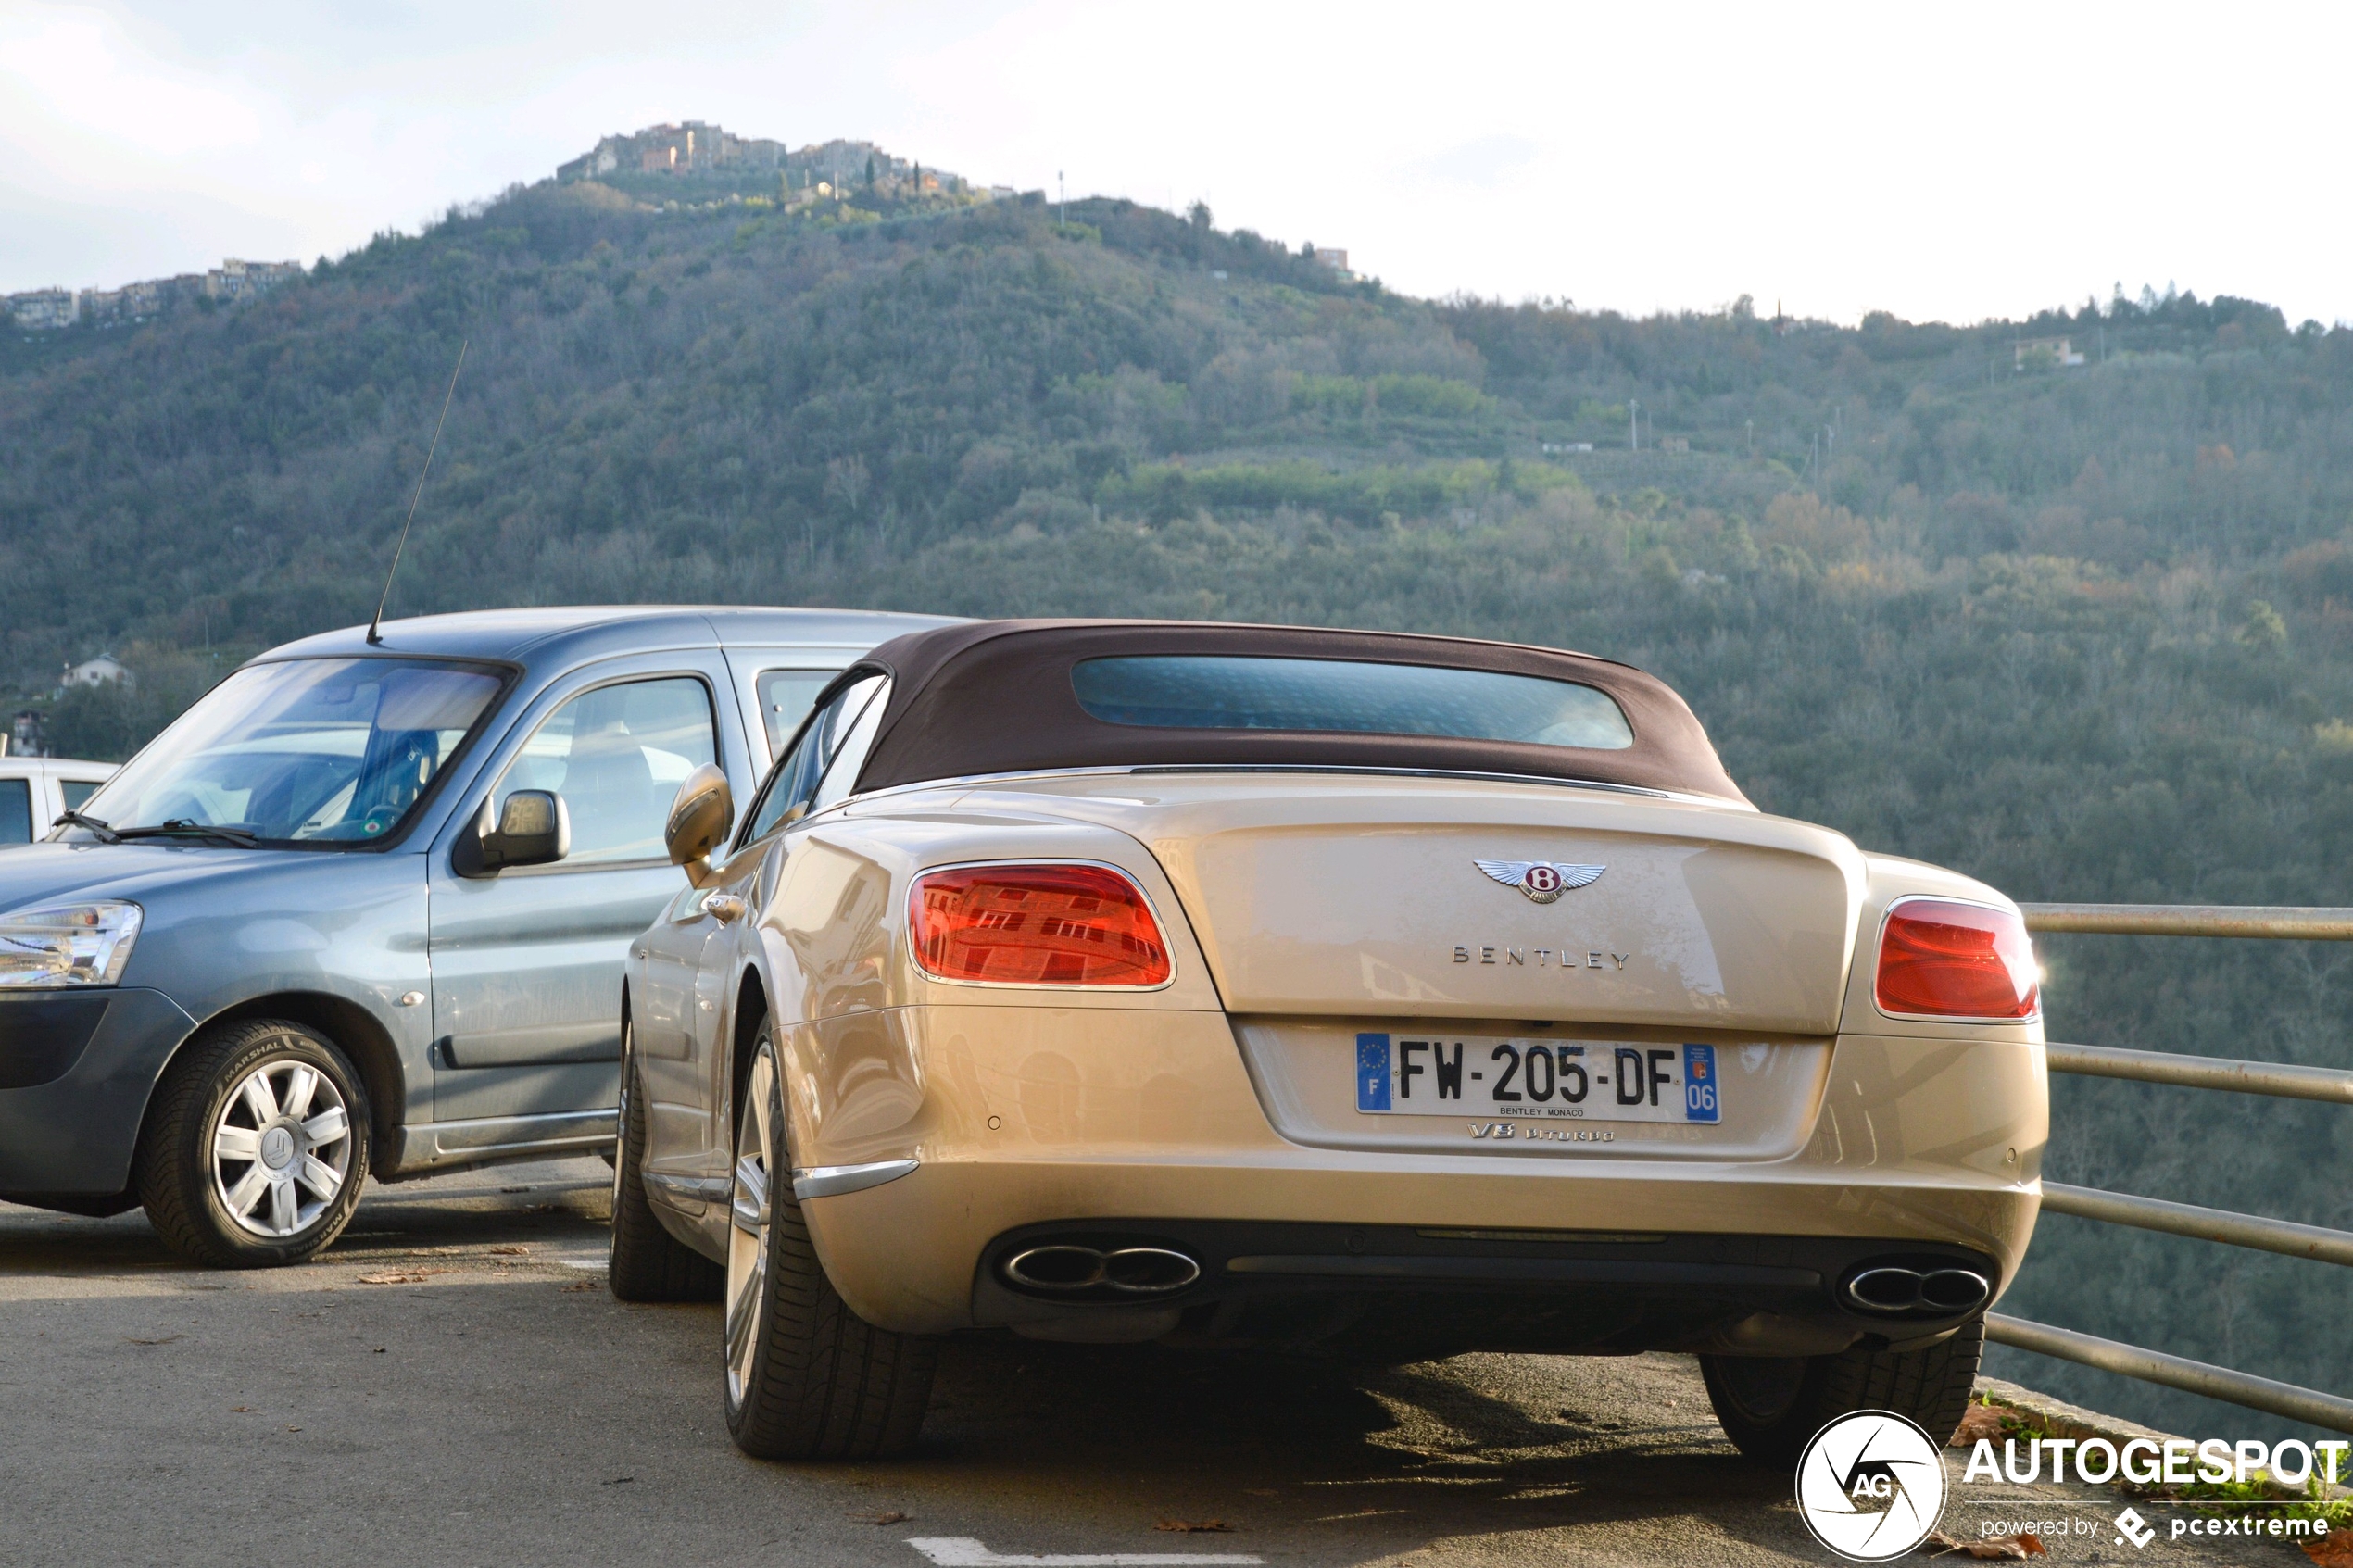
{"x":532,"y":829}
{"x":700,"y":815}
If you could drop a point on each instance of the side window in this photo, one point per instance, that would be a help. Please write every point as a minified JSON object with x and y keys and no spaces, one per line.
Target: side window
{"x":617,"y":756}
{"x":793,"y":788}
{"x":785,"y":699}
{"x":16,"y":810}
{"x":76,"y":791}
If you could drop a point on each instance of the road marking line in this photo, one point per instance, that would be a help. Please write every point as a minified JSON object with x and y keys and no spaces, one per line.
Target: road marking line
{"x":963,"y":1552}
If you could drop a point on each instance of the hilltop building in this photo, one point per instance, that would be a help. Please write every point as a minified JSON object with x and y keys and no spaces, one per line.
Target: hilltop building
{"x":709,"y":154}
{"x":103,"y":671}
{"x":2044,"y":354}
{"x":1335,"y":259}
{"x":693,"y":147}
{"x":233,"y":281}
{"x":43,"y":309}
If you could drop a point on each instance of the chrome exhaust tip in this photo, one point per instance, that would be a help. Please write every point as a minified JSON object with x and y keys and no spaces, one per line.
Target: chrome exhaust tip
{"x":1894,"y":1288}
{"x":1067,"y":1267}
{"x":1056,"y":1268}
{"x":1955,"y":1290}
{"x":1149,"y":1271}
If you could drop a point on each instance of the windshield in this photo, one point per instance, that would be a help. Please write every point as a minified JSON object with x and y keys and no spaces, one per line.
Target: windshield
{"x":1196,"y":691}
{"x":332,"y":753}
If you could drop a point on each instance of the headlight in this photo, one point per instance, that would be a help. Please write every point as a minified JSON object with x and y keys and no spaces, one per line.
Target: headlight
{"x":67,"y":945}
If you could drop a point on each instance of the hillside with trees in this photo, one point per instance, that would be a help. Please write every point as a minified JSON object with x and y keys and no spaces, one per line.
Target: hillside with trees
{"x":2082,"y":629}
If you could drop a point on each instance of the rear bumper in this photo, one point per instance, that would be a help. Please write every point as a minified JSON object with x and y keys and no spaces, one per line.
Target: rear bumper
{"x":1681,"y":1260}
{"x":70,"y":1113}
{"x":1027,"y":1116}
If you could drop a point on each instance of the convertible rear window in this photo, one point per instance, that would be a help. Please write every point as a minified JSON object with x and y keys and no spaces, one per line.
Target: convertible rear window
{"x":1223,"y":691}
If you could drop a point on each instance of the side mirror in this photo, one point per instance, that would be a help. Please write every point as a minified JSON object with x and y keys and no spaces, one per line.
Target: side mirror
{"x":700,"y":815}
{"x":534,"y":829}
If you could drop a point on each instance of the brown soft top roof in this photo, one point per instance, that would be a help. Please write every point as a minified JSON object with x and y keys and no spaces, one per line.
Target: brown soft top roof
{"x":995,"y":696}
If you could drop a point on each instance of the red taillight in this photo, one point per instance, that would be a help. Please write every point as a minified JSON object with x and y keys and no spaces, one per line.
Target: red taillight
{"x":1956,"y":960}
{"x":1034,"y":926}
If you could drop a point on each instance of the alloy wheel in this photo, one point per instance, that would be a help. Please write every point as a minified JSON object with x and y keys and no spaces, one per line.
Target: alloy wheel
{"x":281,"y":1148}
{"x":749,"y":1220}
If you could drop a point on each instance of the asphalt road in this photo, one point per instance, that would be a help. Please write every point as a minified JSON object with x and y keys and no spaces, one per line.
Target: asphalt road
{"x":452,"y":1385}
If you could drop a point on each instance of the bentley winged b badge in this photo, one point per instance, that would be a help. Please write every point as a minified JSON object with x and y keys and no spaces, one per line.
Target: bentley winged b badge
{"x":1543,"y":880}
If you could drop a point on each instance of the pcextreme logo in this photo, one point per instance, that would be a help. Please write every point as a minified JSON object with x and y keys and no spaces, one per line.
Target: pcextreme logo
{"x":1871,"y":1486}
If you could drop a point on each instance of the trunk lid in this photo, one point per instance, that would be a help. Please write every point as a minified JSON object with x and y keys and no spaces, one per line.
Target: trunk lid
{"x":1352,"y":930}
{"x":1332,"y":894}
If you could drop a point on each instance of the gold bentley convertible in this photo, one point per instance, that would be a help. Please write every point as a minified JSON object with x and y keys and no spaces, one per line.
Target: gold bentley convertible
{"x":1353,"y":994}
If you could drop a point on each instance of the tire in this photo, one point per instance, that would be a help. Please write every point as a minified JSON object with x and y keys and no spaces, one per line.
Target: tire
{"x":1771,"y":1407}
{"x":255,"y":1147}
{"x":804,"y":1376}
{"x":647,"y":1262}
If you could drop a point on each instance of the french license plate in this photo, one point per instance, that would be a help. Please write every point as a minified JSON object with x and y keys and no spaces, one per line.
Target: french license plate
{"x":1540,"y":1080}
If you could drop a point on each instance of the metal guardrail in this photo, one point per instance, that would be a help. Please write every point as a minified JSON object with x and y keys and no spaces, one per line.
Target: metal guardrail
{"x":2285,"y":1079}
{"x":2175,"y":1371}
{"x":2192,"y":920}
{"x":2205,"y":1072}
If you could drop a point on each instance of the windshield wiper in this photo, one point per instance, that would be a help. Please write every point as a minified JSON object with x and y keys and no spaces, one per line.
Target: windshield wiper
{"x":183,"y":827}
{"x":102,"y":831}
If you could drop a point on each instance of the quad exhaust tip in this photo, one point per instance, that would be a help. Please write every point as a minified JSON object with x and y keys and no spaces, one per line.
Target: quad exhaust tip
{"x":1893,"y":1288}
{"x":1067,"y":1267}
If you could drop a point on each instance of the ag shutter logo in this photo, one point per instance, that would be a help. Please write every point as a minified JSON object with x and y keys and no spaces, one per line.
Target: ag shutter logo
{"x":1871,"y":1486}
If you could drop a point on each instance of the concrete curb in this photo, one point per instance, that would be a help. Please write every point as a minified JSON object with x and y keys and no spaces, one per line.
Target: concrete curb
{"x":2061,"y":1419}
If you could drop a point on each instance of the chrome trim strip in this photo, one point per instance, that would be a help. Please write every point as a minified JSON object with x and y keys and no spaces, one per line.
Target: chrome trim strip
{"x":968,"y":780}
{"x":830,"y":1181}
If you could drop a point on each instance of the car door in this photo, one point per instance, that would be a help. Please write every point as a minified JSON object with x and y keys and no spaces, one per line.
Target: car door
{"x":527,"y":963}
{"x":692,"y":957}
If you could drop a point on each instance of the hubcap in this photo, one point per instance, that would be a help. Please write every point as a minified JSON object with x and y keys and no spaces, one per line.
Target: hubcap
{"x":281,"y":1148}
{"x":747,"y":1216}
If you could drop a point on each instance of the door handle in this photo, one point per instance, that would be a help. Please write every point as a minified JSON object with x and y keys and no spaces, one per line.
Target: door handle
{"x":723,"y":908}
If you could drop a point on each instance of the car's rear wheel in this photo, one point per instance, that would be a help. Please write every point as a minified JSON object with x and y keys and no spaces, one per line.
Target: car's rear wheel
{"x":805,"y":1377}
{"x":1771,"y":1407}
{"x":647,"y":1263}
{"x":255,"y":1147}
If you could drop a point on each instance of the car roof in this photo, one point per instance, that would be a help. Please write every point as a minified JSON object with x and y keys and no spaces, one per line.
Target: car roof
{"x":566,"y":632}
{"x":13,"y":766}
{"x":998,"y":697}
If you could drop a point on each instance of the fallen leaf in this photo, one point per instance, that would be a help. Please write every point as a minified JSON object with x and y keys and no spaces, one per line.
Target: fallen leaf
{"x":1982,"y":1420}
{"x":2331,"y":1550}
{"x":510,"y":1251}
{"x":240,"y":1410}
{"x":584,"y":1285}
{"x":165,"y":1340}
{"x":1191,"y":1527}
{"x":400,"y":1276}
{"x":293,"y":1428}
{"x":891,"y":1516}
{"x":378,"y":1350}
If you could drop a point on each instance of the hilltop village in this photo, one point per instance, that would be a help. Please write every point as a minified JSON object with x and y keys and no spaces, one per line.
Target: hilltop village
{"x":692,"y":164}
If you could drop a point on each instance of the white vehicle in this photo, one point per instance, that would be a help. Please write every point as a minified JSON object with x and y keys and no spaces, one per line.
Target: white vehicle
{"x":34,"y":790}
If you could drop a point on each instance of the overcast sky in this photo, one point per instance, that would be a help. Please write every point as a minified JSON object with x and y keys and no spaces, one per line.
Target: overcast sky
{"x":1954,"y":162}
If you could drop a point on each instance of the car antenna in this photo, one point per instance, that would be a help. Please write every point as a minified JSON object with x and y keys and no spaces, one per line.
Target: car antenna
{"x":375,"y":637}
